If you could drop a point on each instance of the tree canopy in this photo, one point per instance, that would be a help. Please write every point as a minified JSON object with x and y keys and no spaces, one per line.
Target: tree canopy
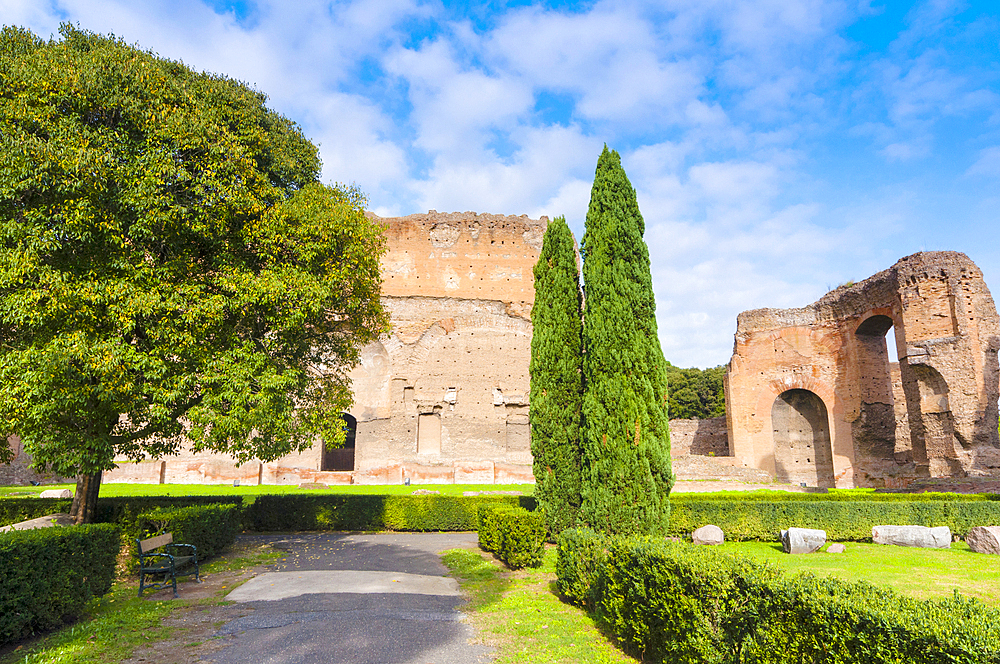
{"x":696,"y":394}
{"x":627,"y":473}
{"x":170,"y":265}
{"x":557,"y":378}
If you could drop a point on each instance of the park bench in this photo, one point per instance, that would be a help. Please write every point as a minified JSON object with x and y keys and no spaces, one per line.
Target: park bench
{"x":169,"y":565}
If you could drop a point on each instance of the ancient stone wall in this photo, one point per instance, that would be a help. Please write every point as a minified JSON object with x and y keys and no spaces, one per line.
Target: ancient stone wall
{"x":708,"y":437}
{"x":19,"y":472}
{"x":442,"y":398}
{"x":812,"y":396}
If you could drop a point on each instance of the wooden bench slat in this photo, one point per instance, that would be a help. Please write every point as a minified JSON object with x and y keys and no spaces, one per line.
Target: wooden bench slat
{"x":154,"y":542}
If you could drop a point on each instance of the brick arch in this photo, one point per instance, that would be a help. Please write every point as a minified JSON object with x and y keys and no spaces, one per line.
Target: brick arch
{"x":803,"y":441}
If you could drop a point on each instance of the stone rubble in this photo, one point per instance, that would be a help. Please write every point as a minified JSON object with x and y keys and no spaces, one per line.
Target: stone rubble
{"x":916,"y":536}
{"x":802,"y":540}
{"x":984,"y":539}
{"x":709,"y":535}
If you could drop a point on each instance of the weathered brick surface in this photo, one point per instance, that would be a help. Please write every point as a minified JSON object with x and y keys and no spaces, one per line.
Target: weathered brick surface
{"x":812,"y":395}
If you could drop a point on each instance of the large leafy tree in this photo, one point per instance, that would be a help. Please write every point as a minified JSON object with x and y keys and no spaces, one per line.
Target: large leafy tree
{"x":170,"y":267}
{"x":626,"y":444}
{"x":557,"y":378}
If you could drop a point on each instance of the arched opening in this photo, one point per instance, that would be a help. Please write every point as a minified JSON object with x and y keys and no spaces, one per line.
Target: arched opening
{"x":802,"y":449}
{"x":876,"y":444}
{"x":342,"y":458}
{"x":936,"y":433}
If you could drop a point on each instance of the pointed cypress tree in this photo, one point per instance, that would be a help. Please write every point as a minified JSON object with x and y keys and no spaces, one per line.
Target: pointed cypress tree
{"x":626,"y":470}
{"x":556,"y":378}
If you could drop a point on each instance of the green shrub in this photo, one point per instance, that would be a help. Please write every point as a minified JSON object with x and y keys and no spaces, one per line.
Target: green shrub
{"x":514,"y":534}
{"x":48,"y":575}
{"x":672,"y":602}
{"x":23,"y":508}
{"x":850,"y":495}
{"x":210,"y":528}
{"x":371,"y":512}
{"x":842,"y":520}
{"x":579,"y":556}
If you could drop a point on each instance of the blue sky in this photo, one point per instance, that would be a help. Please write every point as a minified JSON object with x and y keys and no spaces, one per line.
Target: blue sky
{"x":778,"y":147}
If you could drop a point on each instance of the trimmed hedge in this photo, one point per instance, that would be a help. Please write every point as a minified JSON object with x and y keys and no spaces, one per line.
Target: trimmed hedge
{"x":210,"y":528}
{"x":48,"y":575}
{"x":15,"y":509}
{"x":123,"y":510}
{"x":842,"y":520}
{"x":579,"y":557}
{"x":672,"y":602}
{"x":371,"y":512}
{"x":849,"y":495}
{"x":514,"y":534}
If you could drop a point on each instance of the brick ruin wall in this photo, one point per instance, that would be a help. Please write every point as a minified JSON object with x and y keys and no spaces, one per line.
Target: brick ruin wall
{"x":444,"y":397}
{"x":812,"y":396}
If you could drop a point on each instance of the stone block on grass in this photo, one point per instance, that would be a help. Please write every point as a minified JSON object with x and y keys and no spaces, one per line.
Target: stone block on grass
{"x":802,"y":540}
{"x":56,"y":493}
{"x":709,"y":535}
{"x":916,"y":536}
{"x":984,"y":539}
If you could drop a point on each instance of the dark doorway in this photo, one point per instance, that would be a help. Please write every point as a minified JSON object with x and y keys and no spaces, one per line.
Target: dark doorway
{"x":802,"y":448}
{"x":342,"y":458}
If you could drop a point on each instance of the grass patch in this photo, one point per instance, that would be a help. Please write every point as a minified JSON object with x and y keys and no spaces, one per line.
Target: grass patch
{"x":118,"y":623}
{"x":114,"y":490}
{"x":919,"y":573}
{"x":520,"y":614}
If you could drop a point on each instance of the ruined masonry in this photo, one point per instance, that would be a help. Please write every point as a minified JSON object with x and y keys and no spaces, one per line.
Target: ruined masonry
{"x":813,"y":398}
{"x":444,"y":398}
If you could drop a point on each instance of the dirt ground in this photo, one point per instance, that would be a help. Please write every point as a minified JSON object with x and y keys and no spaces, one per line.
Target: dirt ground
{"x":195,"y":624}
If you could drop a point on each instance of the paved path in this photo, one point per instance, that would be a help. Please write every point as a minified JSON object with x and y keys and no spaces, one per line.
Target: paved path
{"x":354,"y":599}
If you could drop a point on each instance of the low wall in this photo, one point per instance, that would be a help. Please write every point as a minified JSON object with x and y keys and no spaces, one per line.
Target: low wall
{"x":699,"y":437}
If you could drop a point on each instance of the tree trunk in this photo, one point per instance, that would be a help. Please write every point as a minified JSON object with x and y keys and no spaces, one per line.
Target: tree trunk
{"x":85,"y":499}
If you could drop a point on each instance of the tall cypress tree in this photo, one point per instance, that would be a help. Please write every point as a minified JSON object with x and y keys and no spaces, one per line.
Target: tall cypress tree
{"x":626,"y":474}
{"x":556,"y":378}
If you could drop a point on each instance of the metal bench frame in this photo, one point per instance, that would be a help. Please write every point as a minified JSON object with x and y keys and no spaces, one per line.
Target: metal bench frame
{"x":167,"y":565}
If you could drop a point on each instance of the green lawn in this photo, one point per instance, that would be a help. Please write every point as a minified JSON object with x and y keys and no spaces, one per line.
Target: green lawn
{"x":920,"y":573}
{"x":520,"y":615}
{"x":111,"y":490}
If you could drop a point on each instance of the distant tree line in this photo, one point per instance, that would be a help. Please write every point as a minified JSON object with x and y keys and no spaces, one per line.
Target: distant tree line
{"x":696,"y":394}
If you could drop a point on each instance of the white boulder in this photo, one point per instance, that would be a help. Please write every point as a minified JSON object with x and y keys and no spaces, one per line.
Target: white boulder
{"x":802,"y":540}
{"x":918,"y":536}
{"x":708,"y":535}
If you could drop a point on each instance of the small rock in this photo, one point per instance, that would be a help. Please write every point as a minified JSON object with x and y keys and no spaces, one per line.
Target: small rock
{"x":836,"y":548}
{"x":313,"y":485}
{"x":984,"y":539}
{"x":708,"y":535}
{"x":802,"y":540}
{"x":56,"y":493}
{"x":425,"y":492}
{"x":917,"y":536}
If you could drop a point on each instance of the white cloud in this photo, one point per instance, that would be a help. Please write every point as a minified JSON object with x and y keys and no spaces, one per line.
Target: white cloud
{"x":988,"y":164}
{"x":732,"y":118}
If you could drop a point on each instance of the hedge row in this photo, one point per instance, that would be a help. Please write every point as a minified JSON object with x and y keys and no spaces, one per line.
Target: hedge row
{"x":368,"y":512}
{"x":673,"y":602}
{"x":842,"y":520}
{"x":832,"y":495}
{"x":48,"y":575}
{"x":514,"y":534}
{"x":210,"y":528}
{"x":123,"y":510}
